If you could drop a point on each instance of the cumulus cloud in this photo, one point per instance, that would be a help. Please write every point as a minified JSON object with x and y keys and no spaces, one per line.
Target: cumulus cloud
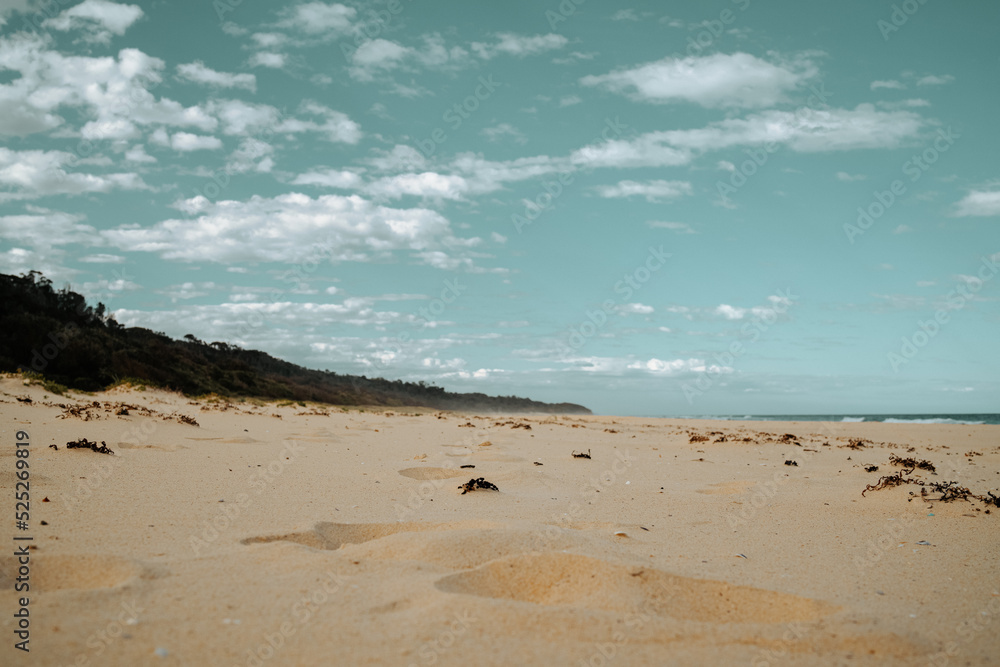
{"x":98,"y":19}
{"x":715,"y":81}
{"x":268,"y":59}
{"x":380,"y":56}
{"x":35,"y":173}
{"x":329,"y":178}
{"x":979,"y":203}
{"x":197,"y":72}
{"x":186,"y":142}
{"x":287,"y":228}
{"x":113,"y":91}
{"x":42,"y":229}
{"x":315,"y":18}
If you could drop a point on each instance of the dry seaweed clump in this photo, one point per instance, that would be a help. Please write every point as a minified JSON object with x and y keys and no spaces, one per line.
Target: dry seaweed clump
{"x":581,"y":455}
{"x":698,"y":438}
{"x":911,"y":463}
{"x":83,"y":443}
{"x":479,"y":483}
{"x":858,"y":443}
{"x":949,"y":490}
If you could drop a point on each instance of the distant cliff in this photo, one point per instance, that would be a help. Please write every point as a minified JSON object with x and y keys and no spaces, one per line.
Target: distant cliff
{"x":55,"y":333}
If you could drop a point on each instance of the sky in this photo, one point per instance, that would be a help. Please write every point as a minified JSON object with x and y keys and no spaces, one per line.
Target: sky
{"x":659,"y":209}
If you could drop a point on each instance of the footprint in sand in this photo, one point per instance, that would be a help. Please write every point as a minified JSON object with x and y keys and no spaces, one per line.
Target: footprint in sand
{"x":562,"y":579}
{"x":85,"y":572}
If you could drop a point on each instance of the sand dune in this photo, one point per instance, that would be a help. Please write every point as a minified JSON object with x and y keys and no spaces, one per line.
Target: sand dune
{"x":291,"y":536}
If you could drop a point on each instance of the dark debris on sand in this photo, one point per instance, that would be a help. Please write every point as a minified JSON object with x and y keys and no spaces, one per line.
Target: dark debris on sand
{"x":480,"y":483}
{"x":83,"y":443}
{"x":581,"y":455}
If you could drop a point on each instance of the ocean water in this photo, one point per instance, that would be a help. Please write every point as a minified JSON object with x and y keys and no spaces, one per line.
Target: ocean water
{"x":987,"y":418}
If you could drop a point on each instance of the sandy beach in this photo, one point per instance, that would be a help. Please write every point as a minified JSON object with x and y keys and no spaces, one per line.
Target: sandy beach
{"x":250,"y":533}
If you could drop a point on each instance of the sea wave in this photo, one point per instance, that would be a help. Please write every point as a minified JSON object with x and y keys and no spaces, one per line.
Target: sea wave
{"x":853,"y":419}
{"x":943,"y":420}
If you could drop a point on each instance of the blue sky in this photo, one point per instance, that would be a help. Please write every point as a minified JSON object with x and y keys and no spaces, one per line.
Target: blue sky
{"x":647,"y":208}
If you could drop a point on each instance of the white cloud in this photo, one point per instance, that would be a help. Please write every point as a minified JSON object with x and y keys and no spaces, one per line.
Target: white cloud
{"x":806,"y":131}
{"x":570,"y":100}
{"x":251,"y":155}
{"x":239,"y":117}
{"x":197,"y":72}
{"x":891,"y":84}
{"x":902,"y":229}
{"x":102,"y":258}
{"x":635,"y":309}
{"x":844,"y":176}
{"x":329,"y":178}
{"x":979,"y":203}
{"x":268,"y":40}
{"x":115,"y":91}
{"x":518,"y":45}
{"x":401,"y":158}
{"x":287,"y":228}
{"x":933,"y":80}
{"x":335,"y":126}
{"x":29,"y":174}
{"x":426,"y":184}
{"x":648,"y":150}
{"x":138,"y":154}
{"x":268,"y":59}
{"x":186,"y":142}
{"x":677,"y":366}
{"x":42,"y":229}
{"x":314,"y":18}
{"x":380,"y":56}
{"x":100,"y":19}
{"x":651,"y":190}
{"x":679,"y":227}
{"x":715,"y":81}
